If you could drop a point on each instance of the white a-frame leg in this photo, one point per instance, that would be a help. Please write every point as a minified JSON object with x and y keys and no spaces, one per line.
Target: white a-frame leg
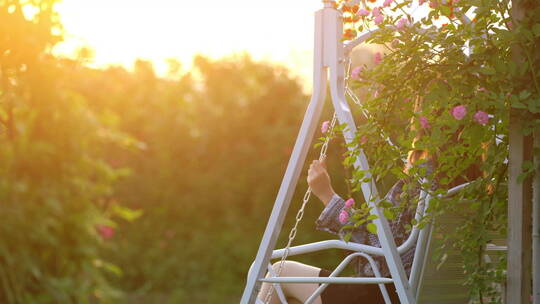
{"x":328,"y":65}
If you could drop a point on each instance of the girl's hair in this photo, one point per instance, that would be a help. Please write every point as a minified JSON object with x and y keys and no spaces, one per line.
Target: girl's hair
{"x":415,"y":155}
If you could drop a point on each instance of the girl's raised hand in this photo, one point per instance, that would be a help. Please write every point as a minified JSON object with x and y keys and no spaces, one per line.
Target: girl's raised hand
{"x":319,"y":181}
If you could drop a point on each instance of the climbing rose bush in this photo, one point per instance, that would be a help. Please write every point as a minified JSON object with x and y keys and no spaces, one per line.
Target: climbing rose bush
{"x":451,"y":73}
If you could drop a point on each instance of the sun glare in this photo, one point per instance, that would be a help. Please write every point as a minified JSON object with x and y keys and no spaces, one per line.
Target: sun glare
{"x":121,"y":31}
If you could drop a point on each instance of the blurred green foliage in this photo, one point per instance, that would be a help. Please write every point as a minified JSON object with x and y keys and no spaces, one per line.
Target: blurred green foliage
{"x":53,"y":176}
{"x":182,"y":171}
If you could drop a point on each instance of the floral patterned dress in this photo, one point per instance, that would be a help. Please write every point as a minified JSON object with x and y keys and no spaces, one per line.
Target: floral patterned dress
{"x":329,"y":221}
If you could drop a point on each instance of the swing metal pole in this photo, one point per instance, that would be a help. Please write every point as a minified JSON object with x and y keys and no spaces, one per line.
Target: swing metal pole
{"x":294,"y":167}
{"x":334,"y":58}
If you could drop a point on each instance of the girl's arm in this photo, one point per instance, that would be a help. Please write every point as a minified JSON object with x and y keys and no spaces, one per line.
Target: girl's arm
{"x":319,"y":181}
{"x":329,"y":219}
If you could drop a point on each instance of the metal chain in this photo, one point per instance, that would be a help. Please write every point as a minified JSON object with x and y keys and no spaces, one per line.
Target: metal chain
{"x":307,"y":195}
{"x":300,"y":214}
{"x":349,"y":92}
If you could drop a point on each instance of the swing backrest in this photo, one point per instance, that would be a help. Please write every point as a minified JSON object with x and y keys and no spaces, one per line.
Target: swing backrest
{"x":442,"y":283}
{"x":441,"y":278}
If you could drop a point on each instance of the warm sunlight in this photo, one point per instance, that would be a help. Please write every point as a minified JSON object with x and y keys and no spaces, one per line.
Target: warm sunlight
{"x":181,"y":151}
{"x":121,"y":31}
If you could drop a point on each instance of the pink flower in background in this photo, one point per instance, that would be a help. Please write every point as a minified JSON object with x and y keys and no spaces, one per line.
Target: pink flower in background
{"x":378,"y":58}
{"x":459,"y":112}
{"x":363,"y":12}
{"x":378,"y":20}
{"x":433,"y":4}
{"x":343,"y":216}
{"x":376,"y":94}
{"x":407,"y":100}
{"x":349,"y":203}
{"x":481,"y":117}
{"x":324,"y":126}
{"x":424,"y":122}
{"x":106,"y":232}
{"x":482,"y":90}
{"x":355,"y":74}
{"x":363,"y":140}
{"x":402,"y":23}
{"x":422,"y":1}
{"x":509,"y":24}
{"x":387,"y":3}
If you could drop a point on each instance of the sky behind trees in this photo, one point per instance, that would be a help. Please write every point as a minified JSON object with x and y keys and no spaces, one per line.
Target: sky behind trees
{"x":121,"y":31}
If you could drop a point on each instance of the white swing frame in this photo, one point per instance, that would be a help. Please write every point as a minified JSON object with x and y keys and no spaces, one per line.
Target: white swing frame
{"x":329,"y":66}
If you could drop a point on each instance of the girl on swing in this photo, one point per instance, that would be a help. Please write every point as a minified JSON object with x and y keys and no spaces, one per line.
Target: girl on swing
{"x":320,"y":183}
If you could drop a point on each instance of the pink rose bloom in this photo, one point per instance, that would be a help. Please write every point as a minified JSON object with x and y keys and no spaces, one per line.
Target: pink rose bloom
{"x":402,"y":23}
{"x":459,"y":112}
{"x":378,"y":20}
{"x":433,"y":3}
{"x":422,"y":1}
{"x":482,"y":89}
{"x":106,"y":232}
{"x":363,"y":12}
{"x":387,"y":3}
{"x":481,"y":117}
{"x":424,"y":122}
{"x":376,"y":12}
{"x":355,"y":74}
{"x":349,"y":203}
{"x":378,"y":58}
{"x":324,"y":126}
{"x":343,"y":216}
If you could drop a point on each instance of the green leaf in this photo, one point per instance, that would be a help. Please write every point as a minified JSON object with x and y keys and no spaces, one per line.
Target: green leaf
{"x":126,"y":213}
{"x":359,"y":223}
{"x":487,"y":70}
{"x":372,"y":217}
{"x":524,"y":94}
{"x":389,"y":214}
{"x":371,"y":228}
{"x":518,"y":105}
{"x":536,"y":29}
{"x":446,"y":10}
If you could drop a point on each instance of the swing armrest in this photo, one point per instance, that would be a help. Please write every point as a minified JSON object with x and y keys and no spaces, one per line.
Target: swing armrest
{"x":329,"y":244}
